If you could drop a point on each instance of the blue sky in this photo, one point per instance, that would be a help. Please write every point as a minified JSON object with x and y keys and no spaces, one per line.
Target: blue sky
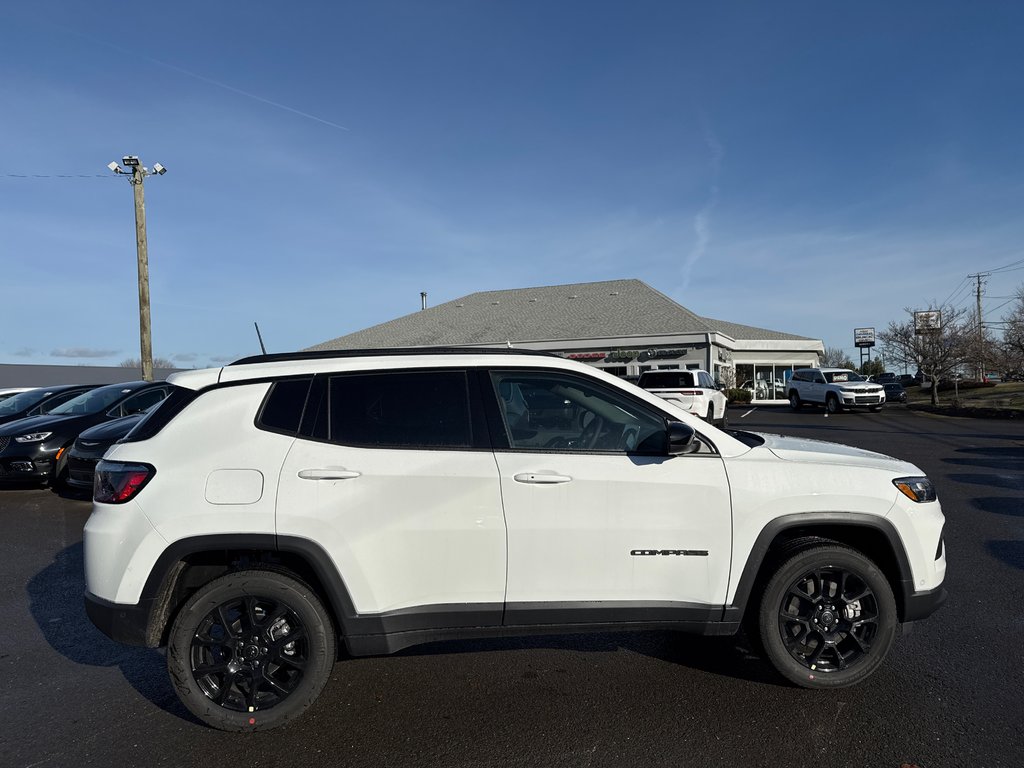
{"x":806,"y":167}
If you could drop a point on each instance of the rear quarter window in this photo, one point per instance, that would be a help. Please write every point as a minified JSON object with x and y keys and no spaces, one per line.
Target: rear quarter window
{"x":283,"y":406}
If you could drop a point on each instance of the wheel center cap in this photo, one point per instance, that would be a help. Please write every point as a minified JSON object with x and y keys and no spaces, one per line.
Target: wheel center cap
{"x":250,"y":652}
{"x":828,"y":618}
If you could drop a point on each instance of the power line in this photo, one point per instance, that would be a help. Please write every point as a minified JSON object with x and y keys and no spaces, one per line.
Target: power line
{"x":55,"y":176}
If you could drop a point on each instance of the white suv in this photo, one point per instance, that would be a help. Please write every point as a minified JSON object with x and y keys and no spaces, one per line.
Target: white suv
{"x":694,"y":391}
{"x":834,"y":388}
{"x":272,"y":509}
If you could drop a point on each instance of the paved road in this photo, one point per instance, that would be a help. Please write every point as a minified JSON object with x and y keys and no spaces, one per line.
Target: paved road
{"x":950,"y":694}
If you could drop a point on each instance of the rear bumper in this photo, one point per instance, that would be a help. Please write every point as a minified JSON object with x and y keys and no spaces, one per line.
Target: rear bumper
{"x":126,"y":624}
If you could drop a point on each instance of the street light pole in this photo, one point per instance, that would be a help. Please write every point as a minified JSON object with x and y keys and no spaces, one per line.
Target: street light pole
{"x":138,"y":174}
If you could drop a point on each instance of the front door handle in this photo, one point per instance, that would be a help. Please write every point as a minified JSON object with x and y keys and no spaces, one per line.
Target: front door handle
{"x":537,"y":478}
{"x":328,"y":473}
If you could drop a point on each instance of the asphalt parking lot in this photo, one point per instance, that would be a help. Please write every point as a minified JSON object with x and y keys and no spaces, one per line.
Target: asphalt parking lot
{"x":949,"y":695}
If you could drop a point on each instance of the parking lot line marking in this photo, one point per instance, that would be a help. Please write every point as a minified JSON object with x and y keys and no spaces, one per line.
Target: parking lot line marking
{"x":748,"y":413}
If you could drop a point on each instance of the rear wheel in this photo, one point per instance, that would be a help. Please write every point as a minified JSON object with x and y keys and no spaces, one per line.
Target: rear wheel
{"x":725,"y":417}
{"x":827,"y":617}
{"x":250,"y":650}
{"x":710,"y":418}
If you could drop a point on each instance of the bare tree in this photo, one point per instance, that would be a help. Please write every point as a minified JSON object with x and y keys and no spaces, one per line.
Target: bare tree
{"x":836,"y":357}
{"x":158,"y":362}
{"x":934,"y":354}
{"x":1011,"y":350}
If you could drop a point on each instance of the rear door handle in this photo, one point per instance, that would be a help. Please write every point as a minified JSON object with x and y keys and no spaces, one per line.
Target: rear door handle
{"x":538,"y":478}
{"x":328,"y":473}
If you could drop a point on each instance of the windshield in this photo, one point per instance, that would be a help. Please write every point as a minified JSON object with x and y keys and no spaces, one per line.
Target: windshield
{"x":92,"y":402}
{"x":837,"y":377}
{"x":22,"y":401}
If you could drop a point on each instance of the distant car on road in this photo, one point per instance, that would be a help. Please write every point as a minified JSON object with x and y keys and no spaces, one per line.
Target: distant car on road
{"x":894,"y":392}
{"x":35,"y":402}
{"x":884,"y":378}
{"x":835,"y":388}
{"x":694,"y":391}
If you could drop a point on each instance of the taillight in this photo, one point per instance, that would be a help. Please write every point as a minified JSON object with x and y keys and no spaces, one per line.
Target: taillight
{"x":692,"y":392}
{"x":116,"y":482}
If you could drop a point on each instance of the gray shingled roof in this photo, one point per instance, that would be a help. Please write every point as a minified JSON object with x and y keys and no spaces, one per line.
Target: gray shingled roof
{"x":737,"y":331}
{"x":612,"y":308}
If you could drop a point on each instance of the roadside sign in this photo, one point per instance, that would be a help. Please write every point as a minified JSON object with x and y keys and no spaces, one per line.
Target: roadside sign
{"x":863,"y":337}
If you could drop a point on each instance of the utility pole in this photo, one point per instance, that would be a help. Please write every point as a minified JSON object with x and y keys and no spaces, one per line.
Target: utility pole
{"x":981,"y":327}
{"x":138,"y":173}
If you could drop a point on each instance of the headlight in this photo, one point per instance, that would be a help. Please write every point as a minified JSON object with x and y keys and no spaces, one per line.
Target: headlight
{"x":919,"y":489}
{"x":32,"y":437}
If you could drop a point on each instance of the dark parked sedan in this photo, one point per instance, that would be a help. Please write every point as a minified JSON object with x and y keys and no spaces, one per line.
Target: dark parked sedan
{"x":34,"y":449}
{"x":895,"y":393}
{"x":92,"y":444}
{"x":36,"y":402}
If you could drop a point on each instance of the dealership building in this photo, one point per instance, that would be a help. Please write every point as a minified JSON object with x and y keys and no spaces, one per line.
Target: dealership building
{"x":624,"y":327}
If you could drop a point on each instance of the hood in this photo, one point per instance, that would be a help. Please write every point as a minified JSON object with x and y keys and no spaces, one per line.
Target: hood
{"x":822,"y":452}
{"x":44,"y":423}
{"x":112,"y":430}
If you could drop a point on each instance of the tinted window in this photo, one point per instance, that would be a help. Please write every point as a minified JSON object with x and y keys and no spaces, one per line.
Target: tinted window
{"x":94,"y":401}
{"x":560,"y":412}
{"x":282,"y":410}
{"x":413,"y":409}
{"x":19,"y":402}
{"x":666,"y":380}
{"x":142,"y":401}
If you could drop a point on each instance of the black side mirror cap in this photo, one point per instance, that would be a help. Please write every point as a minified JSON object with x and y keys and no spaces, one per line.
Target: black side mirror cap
{"x":680,"y":438}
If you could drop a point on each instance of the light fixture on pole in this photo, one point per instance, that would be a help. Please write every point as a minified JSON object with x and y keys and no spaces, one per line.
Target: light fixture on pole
{"x":138,"y":173}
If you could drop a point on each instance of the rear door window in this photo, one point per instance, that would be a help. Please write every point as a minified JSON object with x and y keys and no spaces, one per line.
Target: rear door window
{"x":401,"y":409}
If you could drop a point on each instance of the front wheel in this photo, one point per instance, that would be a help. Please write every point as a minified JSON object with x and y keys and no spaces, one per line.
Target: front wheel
{"x":250,"y":650}
{"x":827,"y":617}
{"x":832,"y":404}
{"x":794,"y":401}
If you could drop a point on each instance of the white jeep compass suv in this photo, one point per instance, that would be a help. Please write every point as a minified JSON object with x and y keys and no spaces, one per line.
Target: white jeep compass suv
{"x":271,"y":510}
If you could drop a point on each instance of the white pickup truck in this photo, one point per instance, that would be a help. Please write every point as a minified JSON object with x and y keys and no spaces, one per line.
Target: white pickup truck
{"x":834,"y":388}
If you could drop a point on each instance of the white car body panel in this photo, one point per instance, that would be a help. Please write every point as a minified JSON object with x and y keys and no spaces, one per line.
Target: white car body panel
{"x":413,"y":528}
{"x":572,"y":540}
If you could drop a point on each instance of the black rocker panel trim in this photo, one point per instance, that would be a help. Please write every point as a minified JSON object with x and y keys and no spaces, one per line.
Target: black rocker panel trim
{"x":141,"y":624}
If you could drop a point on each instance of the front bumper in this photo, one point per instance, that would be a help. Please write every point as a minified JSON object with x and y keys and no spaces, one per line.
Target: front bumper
{"x":921,"y":605}
{"x":21,"y":469}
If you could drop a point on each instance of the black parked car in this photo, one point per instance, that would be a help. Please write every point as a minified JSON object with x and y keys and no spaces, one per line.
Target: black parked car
{"x":894,"y":392}
{"x":35,"y":402}
{"x":34,"y":449}
{"x":90,"y":446}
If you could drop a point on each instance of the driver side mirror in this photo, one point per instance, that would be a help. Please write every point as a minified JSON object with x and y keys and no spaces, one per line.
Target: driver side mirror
{"x":680,"y":438}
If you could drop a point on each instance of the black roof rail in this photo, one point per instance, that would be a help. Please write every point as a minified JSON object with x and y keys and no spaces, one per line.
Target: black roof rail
{"x":279,"y":357}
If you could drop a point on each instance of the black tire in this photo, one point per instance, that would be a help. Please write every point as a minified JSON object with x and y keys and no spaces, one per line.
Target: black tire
{"x":832,"y":404}
{"x":251,"y":650}
{"x":827,"y":617}
{"x":724,"y":423}
{"x":794,"y":401}
{"x":710,"y":418}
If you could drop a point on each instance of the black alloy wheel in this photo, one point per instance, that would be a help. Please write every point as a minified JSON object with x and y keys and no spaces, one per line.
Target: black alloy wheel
{"x":828,"y":617}
{"x":794,"y":401}
{"x":832,"y":404}
{"x":250,"y":650}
